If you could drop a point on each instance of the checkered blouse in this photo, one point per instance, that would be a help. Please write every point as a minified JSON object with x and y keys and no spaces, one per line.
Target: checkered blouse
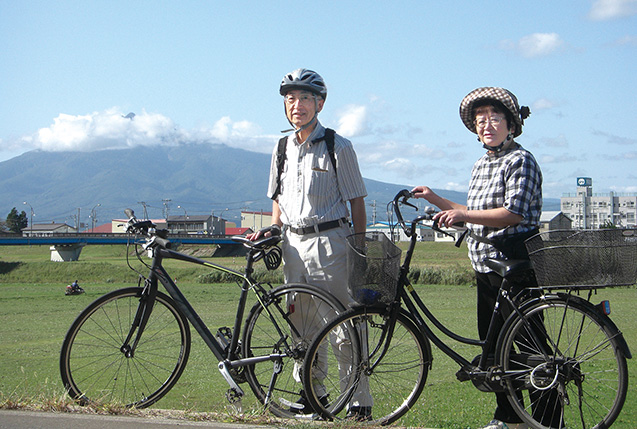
{"x":511,"y":179}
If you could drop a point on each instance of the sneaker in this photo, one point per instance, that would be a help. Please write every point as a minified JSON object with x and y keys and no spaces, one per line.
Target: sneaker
{"x":497,"y":424}
{"x":302,"y":405}
{"x":359,"y":414}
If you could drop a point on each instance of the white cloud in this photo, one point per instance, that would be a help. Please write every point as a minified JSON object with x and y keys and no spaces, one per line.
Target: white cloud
{"x":535,"y":45}
{"x":614,"y":139}
{"x":353,"y":121}
{"x":626,"y":41}
{"x":104,"y":130}
{"x":542,"y":104}
{"x":403,"y":166}
{"x":112,"y":129}
{"x":559,"y":141}
{"x":611,"y":9}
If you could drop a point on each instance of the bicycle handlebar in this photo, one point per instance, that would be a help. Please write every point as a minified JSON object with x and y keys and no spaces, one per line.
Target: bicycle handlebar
{"x":402,"y":198}
{"x":158,"y":237}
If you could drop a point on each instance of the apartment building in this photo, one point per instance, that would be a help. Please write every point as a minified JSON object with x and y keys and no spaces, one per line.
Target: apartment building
{"x":588,"y":210}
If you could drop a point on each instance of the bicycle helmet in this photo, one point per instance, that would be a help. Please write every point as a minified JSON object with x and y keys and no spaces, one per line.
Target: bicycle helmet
{"x":303,"y":79}
{"x":504,"y":96}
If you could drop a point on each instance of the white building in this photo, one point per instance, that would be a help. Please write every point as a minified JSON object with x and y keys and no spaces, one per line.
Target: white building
{"x":593,"y":211}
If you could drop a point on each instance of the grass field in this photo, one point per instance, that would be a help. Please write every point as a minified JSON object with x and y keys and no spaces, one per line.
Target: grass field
{"x":35,"y":314}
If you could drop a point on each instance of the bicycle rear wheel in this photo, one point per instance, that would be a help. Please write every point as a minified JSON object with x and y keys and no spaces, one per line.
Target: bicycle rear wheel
{"x":580,"y":382}
{"x":282,"y":326}
{"x":94,"y":368}
{"x":351,"y":362}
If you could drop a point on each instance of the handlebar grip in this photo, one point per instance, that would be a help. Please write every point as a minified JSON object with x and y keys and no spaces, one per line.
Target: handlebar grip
{"x":162,"y":242}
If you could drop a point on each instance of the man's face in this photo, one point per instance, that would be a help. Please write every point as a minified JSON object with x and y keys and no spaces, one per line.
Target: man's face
{"x":301,"y":106}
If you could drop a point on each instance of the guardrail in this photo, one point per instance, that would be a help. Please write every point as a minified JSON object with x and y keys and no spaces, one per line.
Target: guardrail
{"x":97,"y":238}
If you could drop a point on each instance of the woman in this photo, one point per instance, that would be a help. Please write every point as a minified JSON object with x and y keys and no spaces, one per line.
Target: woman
{"x":503,"y":205}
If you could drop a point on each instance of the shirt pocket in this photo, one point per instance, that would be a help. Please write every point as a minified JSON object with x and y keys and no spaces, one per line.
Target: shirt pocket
{"x":322,"y":178}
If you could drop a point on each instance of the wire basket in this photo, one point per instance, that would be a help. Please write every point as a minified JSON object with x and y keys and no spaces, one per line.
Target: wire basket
{"x":584,"y":259}
{"x":373,"y":268}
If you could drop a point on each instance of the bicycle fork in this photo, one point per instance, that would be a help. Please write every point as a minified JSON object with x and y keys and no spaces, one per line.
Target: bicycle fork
{"x":145,"y":307}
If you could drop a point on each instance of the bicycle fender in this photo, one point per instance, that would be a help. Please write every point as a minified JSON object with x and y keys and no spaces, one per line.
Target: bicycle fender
{"x":602,"y":318}
{"x":606,"y":321}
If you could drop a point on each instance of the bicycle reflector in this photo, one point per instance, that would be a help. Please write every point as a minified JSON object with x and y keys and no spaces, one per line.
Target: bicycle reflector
{"x":604,"y":307}
{"x":272,"y":258}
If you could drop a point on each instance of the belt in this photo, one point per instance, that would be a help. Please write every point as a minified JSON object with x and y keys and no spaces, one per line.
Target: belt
{"x":315,"y":229}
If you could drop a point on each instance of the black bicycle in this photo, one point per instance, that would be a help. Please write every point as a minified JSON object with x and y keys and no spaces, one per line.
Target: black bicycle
{"x":131,"y":345}
{"x":559,"y":357}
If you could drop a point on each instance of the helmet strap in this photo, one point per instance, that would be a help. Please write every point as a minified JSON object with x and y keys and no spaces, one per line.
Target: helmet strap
{"x":505,"y":144}
{"x":309,"y":124}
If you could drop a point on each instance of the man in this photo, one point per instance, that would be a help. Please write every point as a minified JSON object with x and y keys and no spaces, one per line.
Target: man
{"x":311,"y":192}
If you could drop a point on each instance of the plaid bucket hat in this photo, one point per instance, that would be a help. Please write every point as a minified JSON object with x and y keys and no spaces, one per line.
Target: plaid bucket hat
{"x":502,"y":95}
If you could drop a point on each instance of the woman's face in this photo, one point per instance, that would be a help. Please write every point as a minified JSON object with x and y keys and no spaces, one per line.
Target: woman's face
{"x":491,"y":126}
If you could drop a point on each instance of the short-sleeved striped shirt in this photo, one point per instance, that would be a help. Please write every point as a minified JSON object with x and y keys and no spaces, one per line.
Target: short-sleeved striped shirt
{"x":511,"y":179}
{"x":311,"y":192}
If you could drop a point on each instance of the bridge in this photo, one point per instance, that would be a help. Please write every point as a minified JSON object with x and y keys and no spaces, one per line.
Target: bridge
{"x":67,"y":247}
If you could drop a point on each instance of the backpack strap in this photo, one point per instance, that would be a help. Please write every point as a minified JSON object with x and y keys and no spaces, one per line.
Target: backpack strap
{"x":280,"y":162}
{"x":281,"y":156}
{"x":329,"y":141}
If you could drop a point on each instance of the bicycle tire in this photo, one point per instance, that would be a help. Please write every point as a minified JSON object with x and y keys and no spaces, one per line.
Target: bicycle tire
{"x":395,"y":383}
{"x":268,"y":330}
{"x":94,"y":370}
{"x":584,"y":381}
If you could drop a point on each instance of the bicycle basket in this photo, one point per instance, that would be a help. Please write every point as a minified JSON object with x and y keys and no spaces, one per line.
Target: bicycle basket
{"x":373,"y":268}
{"x":584,"y":259}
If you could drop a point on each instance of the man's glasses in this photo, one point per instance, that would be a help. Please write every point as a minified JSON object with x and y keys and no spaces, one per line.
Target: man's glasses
{"x":302,"y":99}
{"x":483,"y":122}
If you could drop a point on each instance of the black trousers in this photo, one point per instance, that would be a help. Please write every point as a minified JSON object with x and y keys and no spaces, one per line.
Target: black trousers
{"x":544,"y":404}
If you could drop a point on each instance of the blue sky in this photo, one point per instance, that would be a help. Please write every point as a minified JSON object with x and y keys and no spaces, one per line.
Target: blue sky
{"x":396,"y":73}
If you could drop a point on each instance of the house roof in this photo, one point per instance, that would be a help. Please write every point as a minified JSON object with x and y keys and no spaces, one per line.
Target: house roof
{"x":261,"y":212}
{"x":238,"y":231}
{"x":195,"y":218}
{"x":549,"y":216}
{"x":107,"y":228}
{"x":46,"y":227}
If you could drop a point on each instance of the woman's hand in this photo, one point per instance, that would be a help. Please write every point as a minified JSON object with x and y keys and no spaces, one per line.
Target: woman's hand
{"x":422,"y":192}
{"x":450,"y":218}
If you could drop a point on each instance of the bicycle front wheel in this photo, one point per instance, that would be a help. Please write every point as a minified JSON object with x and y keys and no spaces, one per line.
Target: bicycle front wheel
{"x":94,"y":367}
{"x":357,"y":368}
{"x":281,"y":325}
{"x":564,"y":367}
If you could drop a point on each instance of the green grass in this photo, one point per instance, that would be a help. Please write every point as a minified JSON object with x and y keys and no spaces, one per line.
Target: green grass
{"x":35,"y":314}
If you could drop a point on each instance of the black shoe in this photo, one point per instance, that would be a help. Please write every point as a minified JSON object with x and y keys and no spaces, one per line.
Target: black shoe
{"x":359,"y":414}
{"x":302,"y":405}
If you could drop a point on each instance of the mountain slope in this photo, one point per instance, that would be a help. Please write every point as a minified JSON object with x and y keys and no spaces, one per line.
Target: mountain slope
{"x":199,"y":177}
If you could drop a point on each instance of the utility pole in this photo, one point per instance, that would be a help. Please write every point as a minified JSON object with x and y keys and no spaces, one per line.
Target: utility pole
{"x":373,"y":206}
{"x":31,"y":222}
{"x":166,"y":202}
{"x":143,"y":203}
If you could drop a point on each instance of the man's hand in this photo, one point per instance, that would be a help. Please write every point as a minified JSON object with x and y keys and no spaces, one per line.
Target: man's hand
{"x":266,"y":232}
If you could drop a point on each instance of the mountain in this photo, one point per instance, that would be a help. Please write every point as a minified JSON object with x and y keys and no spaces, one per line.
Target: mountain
{"x":62,"y":186}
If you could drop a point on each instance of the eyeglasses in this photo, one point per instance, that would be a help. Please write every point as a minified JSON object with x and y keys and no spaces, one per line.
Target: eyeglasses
{"x":494,"y":120}
{"x":302,"y":99}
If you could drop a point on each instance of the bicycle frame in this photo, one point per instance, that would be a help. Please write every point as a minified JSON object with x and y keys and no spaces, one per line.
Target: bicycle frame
{"x":416,"y":308}
{"x":227,"y":361}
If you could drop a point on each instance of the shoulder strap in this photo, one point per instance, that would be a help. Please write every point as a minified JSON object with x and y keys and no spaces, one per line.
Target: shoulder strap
{"x":280,"y":162}
{"x":329,"y":141}
{"x":281,"y":157}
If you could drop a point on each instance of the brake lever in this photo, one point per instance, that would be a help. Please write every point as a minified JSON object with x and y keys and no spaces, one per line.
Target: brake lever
{"x":406,"y":195}
{"x":460,"y":239}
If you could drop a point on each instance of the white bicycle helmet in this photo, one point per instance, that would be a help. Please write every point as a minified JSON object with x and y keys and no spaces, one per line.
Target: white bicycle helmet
{"x":303,"y":79}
